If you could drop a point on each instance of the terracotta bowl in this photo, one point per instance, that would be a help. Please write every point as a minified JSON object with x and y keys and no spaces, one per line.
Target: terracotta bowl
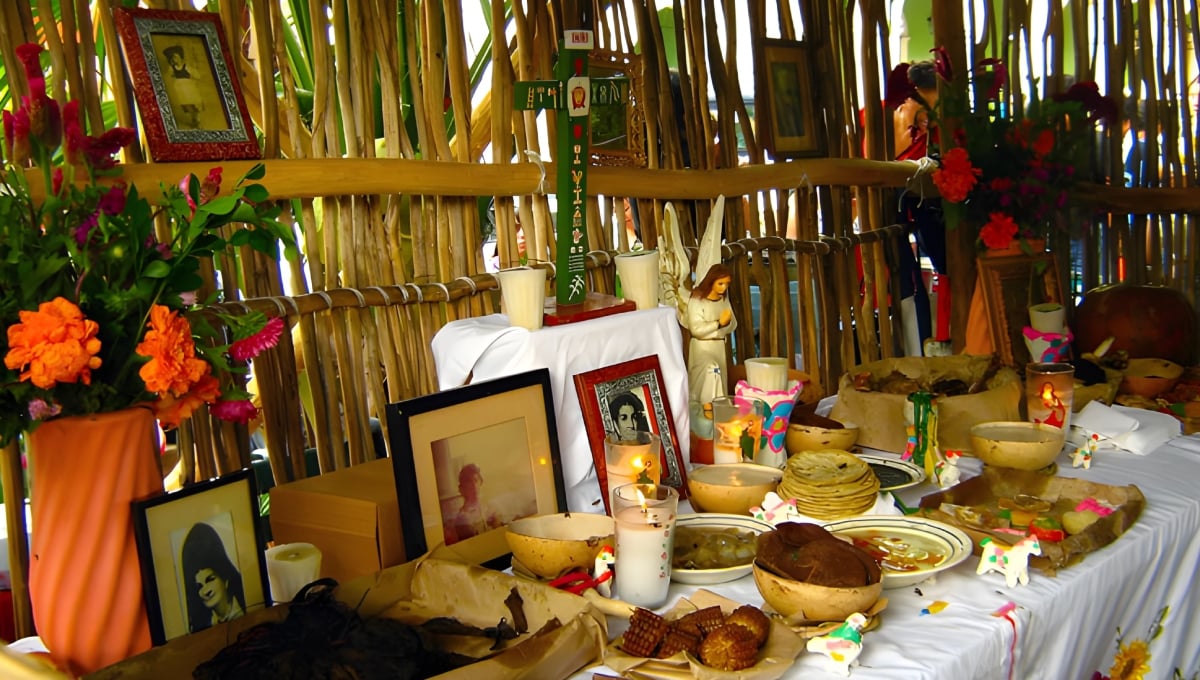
{"x":1016,"y":444}
{"x":802,"y":437}
{"x":1150,"y":377}
{"x":809,"y":602}
{"x":731,"y":488}
{"x":551,"y":545}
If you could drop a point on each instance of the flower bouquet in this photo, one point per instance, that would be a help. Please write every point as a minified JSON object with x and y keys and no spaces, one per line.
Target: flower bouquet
{"x":97,"y":280}
{"x":1010,"y":168}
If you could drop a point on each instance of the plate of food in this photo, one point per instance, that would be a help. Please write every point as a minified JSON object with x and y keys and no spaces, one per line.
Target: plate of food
{"x":714,"y":547}
{"x":909,"y":549}
{"x":894,"y":474}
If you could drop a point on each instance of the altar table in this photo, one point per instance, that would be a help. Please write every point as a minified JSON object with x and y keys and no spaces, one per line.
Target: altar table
{"x":1066,"y":627}
{"x":487,"y":347}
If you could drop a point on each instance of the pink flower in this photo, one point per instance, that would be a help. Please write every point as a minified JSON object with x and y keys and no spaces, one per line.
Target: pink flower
{"x":113,"y":201}
{"x":239,"y":411}
{"x":248,"y":348}
{"x":40,"y":409}
{"x":30,"y":56}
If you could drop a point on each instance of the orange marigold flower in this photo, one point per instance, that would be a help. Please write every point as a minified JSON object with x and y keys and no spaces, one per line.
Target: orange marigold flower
{"x":999,"y":231}
{"x":172,"y":409}
{"x":54,"y":344}
{"x":956,"y":177}
{"x":173,"y":366}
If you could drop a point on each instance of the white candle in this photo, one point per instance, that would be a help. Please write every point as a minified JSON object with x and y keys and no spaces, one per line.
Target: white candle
{"x":632,"y":462}
{"x":290,"y":567}
{"x":645,"y":536}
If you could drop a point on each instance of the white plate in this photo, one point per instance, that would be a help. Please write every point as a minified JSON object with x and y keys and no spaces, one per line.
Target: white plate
{"x":932,"y":546}
{"x":718,"y":521}
{"x":894,"y":473}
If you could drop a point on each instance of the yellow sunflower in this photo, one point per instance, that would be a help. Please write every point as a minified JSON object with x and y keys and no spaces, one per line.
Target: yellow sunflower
{"x":1132,"y":661}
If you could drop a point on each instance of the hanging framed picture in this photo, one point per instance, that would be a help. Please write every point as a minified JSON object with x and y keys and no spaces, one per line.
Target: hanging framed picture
{"x":616,"y":118}
{"x":784,"y":109}
{"x":622,"y":399}
{"x":471,"y":459}
{"x":201,"y":553}
{"x":186,"y":85}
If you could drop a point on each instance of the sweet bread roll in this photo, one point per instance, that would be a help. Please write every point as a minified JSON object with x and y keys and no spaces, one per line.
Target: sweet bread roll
{"x":729,"y":648}
{"x":752,"y":619}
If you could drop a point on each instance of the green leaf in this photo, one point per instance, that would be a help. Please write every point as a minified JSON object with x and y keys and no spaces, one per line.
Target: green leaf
{"x":257,"y":172}
{"x":157,"y":270}
{"x":257,"y":193}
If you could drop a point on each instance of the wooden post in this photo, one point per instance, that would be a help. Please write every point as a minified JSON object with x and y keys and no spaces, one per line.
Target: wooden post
{"x":960,"y":242}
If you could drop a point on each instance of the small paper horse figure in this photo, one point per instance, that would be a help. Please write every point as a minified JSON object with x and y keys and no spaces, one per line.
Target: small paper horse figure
{"x":1083,"y":455}
{"x":603,"y":569}
{"x":1012,"y":562}
{"x":842,"y":645}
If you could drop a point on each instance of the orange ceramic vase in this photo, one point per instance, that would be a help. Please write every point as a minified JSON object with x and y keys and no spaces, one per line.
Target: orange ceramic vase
{"x":84,"y":577}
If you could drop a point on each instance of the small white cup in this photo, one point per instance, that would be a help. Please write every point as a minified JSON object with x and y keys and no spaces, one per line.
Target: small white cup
{"x":1048,"y":317}
{"x":767,"y":373}
{"x":638,"y":271}
{"x":522,"y":295}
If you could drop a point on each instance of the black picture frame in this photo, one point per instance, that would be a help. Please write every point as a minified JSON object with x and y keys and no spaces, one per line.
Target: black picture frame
{"x":505,"y":428}
{"x":176,"y":531}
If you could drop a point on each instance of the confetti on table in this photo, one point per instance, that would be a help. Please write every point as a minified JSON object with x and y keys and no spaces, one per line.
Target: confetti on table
{"x":934,"y":607}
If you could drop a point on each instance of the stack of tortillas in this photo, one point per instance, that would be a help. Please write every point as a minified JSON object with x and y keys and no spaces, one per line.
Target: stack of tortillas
{"x":829,"y":484}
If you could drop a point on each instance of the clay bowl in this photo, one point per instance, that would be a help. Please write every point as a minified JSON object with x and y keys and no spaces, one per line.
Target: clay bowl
{"x":1150,"y":377}
{"x":802,"y":601}
{"x":731,"y":488}
{"x":551,"y":545}
{"x":1016,"y":444}
{"x":803,"y":437}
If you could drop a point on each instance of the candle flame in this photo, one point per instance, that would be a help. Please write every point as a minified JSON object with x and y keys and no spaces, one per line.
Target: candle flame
{"x":641,"y":499}
{"x":1048,"y":397}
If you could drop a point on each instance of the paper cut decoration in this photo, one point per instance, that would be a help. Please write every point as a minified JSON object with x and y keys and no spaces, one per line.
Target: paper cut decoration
{"x":775,"y":510}
{"x":945,"y":471}
{"x":1013,"y":561}
{"x":842,"y":645}
{"x":603,"y":570}
{"x":934,"y":607}
{"x":1083,"y":454}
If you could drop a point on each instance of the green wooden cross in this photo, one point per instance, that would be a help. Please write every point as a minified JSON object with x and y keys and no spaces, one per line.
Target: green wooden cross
{"x":574,"y":94}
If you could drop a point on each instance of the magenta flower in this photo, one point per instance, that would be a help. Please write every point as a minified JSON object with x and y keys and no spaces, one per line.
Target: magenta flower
{"x":113,"y":200}
{"x":238,"y":411}
{"x":248,"y":348}
{"x":941,"y":63}
{"x":84,"y":231}
{"x":40,"y":409}
{"x":898,"y":88}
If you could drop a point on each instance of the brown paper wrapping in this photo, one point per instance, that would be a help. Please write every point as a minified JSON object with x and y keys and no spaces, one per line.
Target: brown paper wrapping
{"x":880,"y":416}
{"x":775,"y":657}
{"x":415,"y":592}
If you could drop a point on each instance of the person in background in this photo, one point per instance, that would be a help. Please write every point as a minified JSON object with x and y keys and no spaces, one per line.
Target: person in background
{"x":628,"y":415}
{"x":212,"y":582}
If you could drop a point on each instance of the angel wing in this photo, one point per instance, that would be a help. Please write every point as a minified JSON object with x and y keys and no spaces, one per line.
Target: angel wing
{"x":710,"y":243}
{"x":674,"y":267}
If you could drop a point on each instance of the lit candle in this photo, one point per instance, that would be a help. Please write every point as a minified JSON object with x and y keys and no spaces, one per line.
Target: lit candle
{"x":737,"y":423}
{"x":645,"y":528}
{"x":632,"y":461}
{"x":1049,"y":392}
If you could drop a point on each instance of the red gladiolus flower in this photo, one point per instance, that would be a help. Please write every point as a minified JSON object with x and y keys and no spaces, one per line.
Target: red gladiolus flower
{"x":956,"y":177}
{"x":210,"y":186}
{"x":21,"y":148}
{"x":942,"y":64}
{"x":999,"y":231}
{"x":237,"y":411}
{"x":1087,"y":93}
{"x":999,"y":74}
{"x":248,"y":348}
{"x":30,"y":54}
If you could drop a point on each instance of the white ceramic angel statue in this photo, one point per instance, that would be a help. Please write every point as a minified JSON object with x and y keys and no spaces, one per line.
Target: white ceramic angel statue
{"x":702,"y":307}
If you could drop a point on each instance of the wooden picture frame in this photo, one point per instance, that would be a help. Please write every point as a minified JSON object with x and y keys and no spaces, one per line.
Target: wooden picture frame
{"x":497,"y":437}
{"x":186,"y":85}
{"x":618,"y":133}
{"x":211,"y":528}
{"x":783,"y":103}
{"x":1009,"y":289}
{"x":597,"y":390}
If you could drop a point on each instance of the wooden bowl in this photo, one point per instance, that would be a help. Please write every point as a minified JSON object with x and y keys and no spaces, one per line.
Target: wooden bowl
{"x":1150,"y":377}
{"x":802,"y":437}
{"x":731,"y":488}
{"x":810,"y":602}
{"x":1017,"y":444}
{"x":551,"y":545}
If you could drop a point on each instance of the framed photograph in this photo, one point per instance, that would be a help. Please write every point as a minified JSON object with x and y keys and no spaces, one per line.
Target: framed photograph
{"x":622,"y":399}
{"x":617,"y":117}
{"x":471,"y":459}
{"x":186,"y":85}
{"x":201,"y":552}
{"x":784,"y":100}
{"x":1011,"y":284}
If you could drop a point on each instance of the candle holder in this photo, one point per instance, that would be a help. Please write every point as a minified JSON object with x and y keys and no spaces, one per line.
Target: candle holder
{"x":523,"y":294}
{"x":769,"y":374}
{"x":632,"y":460}
{"x":645,"y":518}
{"x":737,"y":428}
{"x":1049,"y":392}
{"x":638,"y":271}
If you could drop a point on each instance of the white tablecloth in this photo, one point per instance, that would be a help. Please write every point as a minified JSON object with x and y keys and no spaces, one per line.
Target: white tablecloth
{"x":487,"y":347}
{"x":1066,"y":626}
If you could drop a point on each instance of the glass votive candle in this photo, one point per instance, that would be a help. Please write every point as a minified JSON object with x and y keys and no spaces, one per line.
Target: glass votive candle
{"x":633,"y":460}
{"x":1049,"y":391}
{"x":737,"y":428}
{"x":645,"y":530}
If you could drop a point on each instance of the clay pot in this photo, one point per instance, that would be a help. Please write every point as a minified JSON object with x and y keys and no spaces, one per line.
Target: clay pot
{"x":1145,"y":321}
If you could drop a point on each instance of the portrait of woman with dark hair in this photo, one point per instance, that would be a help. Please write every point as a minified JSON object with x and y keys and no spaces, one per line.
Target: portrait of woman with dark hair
{"x":211,"y":581}
{"x":628,"y":415}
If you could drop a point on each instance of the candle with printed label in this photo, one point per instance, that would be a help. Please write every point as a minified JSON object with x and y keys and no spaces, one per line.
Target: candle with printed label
{"x":645,"y":530}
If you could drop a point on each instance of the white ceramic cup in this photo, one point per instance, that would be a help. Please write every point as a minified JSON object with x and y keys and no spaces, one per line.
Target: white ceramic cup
{"x":638,"y":271}
{"x":767,"y":373}
{"x":1048,"y":317}
{"x":522,"y":295}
